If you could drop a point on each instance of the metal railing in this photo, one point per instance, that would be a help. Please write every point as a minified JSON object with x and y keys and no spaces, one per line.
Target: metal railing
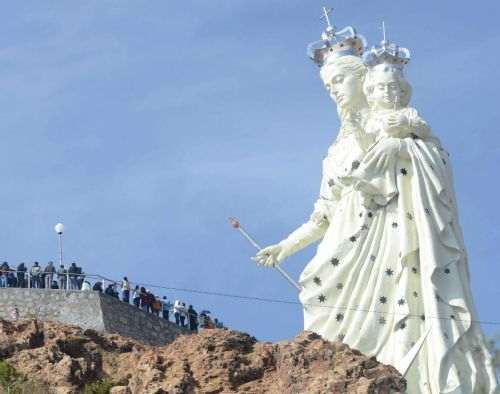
{"x":65,"y":281}
{"x":74,"y":281}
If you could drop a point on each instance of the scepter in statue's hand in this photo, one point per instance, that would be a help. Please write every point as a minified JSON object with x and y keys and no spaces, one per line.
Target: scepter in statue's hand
{"x":266,"y":257}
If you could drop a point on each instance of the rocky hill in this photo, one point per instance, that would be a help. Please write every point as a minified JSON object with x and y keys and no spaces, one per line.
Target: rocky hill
{"x":47,"y":357}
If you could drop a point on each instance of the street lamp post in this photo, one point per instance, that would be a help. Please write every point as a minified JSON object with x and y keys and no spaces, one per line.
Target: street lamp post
{"x":59,"y":229}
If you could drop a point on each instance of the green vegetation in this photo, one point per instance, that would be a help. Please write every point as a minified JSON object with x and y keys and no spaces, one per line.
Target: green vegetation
{"x":12,"y":382}
{"x":99,"y":387}
{"x":8,"y":375}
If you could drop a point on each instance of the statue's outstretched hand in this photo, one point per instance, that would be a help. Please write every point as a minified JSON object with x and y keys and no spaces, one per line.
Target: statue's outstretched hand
{"x":270,"y":256}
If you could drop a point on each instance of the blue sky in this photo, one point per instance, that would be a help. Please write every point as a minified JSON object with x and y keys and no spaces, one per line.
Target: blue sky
{"x":143,"y":125}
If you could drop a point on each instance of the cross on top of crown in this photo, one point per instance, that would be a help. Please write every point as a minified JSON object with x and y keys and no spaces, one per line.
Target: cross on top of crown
{"x":326,"y":16}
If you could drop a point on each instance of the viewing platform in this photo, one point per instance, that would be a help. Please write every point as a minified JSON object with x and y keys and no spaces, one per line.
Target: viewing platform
{"x":88,"y":310}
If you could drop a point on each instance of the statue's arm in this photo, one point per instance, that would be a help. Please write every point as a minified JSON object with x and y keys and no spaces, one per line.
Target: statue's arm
{"x":416,"y":124}
{"x":311,"y":231}
{"x":405,"y":123}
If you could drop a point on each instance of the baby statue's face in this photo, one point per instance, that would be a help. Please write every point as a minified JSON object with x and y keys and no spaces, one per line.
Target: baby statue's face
{"x":387,"y":91}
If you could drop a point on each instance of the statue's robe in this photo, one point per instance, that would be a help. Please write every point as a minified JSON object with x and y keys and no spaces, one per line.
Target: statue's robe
{"x":392,"y":267}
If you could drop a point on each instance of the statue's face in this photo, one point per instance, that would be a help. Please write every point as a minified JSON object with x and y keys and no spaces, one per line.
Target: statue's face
{"x":344,"y":88}
{"x":387,"y":91}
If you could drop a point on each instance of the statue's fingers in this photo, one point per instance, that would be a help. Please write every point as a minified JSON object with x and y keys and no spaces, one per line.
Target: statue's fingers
{"x":259,"y":260}
{"x":263,"y":252}
{"x":270,"y":262}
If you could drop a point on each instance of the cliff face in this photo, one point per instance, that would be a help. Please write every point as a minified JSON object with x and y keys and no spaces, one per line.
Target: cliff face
{"x":66,"y":359}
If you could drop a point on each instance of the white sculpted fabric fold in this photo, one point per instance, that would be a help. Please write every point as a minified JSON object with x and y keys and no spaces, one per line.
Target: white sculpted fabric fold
{"x":379,"y":282}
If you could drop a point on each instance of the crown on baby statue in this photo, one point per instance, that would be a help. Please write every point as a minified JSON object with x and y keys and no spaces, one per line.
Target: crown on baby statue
{"x":387,"y":53}
{"x":334,"y":44}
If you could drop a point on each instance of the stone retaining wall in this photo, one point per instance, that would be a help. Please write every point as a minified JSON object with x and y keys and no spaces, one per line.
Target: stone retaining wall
{"x":88,"y":309}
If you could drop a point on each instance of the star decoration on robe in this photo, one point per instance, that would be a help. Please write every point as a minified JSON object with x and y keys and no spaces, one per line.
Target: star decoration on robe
{"x":409,"y":216}
{"x":401,"y":302}
{"x":438,"y":298}
{"x":394,"y":225}
{"x":364,"y":227}
{"x":402,"y":326}
{"x":355,"y":165}
{"x":361,"y":214}
{"x":389,"y":272}
{"x":415,"y":294}
{"x":414,"y":270}
{"x":331,"y":182}
{"x":353,"y":238}
{"x":341,"y":337}
{"x":422,"y":317}
{"x":403,"y":171}
{"x":383,"y":299}
{"x":335,"y":262}
{"x":370,"y":214}
{"x":373,"y":257}
{"x":447,"y":271}
{"x":339,"y":317}
{"x":452,"y":317}
{"x":321,"y":298}
{"x":445,"y":334}
{"x":340,"y":286}
{"x":427,"y":211}
{"x":317,"y":280}
{"x":382,"y":320}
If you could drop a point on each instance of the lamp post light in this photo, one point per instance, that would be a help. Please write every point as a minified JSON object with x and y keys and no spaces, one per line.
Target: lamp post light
{"x":59,"y":229}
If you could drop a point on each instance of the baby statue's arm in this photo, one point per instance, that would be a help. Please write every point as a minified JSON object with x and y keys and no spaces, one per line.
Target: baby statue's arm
{"x":416,"y":124}
{"x":405,"y":123}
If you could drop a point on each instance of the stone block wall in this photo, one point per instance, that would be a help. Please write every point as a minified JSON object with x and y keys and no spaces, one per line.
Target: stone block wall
{"x":132,"y":322}
{"x":88,"y":309}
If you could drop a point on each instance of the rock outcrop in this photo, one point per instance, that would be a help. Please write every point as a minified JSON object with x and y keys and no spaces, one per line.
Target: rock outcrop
{"x":65,"y":359}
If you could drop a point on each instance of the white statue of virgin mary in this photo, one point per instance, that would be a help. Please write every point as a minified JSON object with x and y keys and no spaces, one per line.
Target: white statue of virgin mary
{"x":390,"y":276}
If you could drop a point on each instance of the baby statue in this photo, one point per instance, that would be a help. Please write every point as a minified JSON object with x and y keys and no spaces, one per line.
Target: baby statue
{"x":388,"y":94}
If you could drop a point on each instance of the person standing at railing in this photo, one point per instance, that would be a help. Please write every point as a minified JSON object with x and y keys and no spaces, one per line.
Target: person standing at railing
{"x":144,"y":299}
{"x":11,"y":278}
{"x":3,"y":274}
{"x":156,"y":306}
{"x":49,"y":272}
{"x":80,"y":277}
{"x":166,"y":306}
{"x":36,"y":272}
{"x":62,"y":276}
{"x":177,"y":311}
{"x":136,"y":296}
{"x":21,"y":275}
{"x":193,"y":319}
{"x":125,"y":290}
{"x":72,"y":272}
